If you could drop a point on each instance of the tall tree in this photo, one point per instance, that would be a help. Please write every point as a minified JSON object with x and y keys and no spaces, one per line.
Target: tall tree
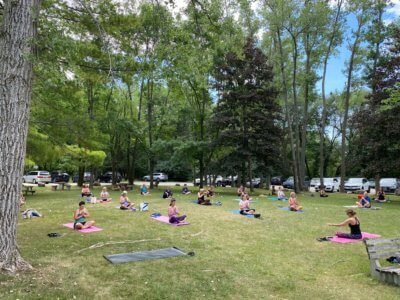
{"x":362,"y":13}
{"x":18,"y":30}
{"x":247,"y":112}
{"x":334,"y":39}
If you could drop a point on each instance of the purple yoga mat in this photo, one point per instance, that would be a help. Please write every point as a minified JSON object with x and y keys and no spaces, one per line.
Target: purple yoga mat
{"x":336,"y":239}
{"x":86,"y":230}
{"x":165,"y":219}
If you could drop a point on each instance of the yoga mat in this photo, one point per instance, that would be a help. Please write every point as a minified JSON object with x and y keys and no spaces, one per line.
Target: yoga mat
{"x":336,"y":239}
{"x":273,"y":198}
{"x":355,"y":206}
{"x":86,"y":230}
{"x":144,"y":255}
{"x":237,"y":212}
{"x":165,"y":219}
{"x":287,"y":209}
{"x":119,"y":207}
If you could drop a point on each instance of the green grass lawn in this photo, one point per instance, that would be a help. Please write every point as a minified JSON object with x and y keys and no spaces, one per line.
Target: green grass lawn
{"x":236,"y":257}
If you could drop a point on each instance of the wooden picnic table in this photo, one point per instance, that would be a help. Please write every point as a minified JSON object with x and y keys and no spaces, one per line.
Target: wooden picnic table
{"x":125,"y":186}
{"x":60,"y":186}
{"x":28,"y":188}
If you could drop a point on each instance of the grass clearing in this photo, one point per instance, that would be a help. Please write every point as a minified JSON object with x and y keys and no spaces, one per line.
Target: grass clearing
{"x":277,"y":257}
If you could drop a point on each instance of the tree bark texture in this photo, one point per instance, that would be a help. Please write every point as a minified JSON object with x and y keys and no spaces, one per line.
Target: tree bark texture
{"x":324,"y":110}
{"x":354,"y":50}
{"x":17,"y":32}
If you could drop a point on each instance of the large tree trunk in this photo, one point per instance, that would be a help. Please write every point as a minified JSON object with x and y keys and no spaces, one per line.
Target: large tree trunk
{"x":286,"y":98}
{"x":298,"y":180}
{"x":354,"y":50}
{"x":322,"y":166}
{"x":17,"y":31}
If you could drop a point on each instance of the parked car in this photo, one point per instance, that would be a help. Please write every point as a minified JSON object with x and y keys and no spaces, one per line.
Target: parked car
{"x":219,"y":180}
{"x":277,"y":180}
{"x":389,"y":185}
{"x":58,"y":176}
{"x":289,"y":183}
{"x":87,"y":176}
{"x":357,"y":184}
{"x":315,"y":183}
{"x":371,"y":183}
{"x":37,"y":176}
{"x":255,"y":181}
{"x":156,"y":176}
{"x":107,"y":177}
{"x":229,"y":180}
{"x":331,"y":184}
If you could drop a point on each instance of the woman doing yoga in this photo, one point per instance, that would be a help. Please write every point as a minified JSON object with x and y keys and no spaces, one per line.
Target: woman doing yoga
{"x":354,"y":224}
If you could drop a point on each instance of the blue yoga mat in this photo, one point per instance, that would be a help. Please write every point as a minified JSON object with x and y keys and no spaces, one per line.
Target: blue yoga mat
{"x":272,"y":198}
{"x":287,"y":209}
{"x":237,"y":212}
{"x":144,"y":255}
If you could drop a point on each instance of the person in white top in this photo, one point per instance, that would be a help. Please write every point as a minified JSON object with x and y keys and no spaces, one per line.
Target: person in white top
{"x":281,"y":194}
{"x":104,"y":195}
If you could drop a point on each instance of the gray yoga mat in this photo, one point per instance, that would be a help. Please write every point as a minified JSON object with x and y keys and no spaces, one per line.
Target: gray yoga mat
{"x":145,"y":255}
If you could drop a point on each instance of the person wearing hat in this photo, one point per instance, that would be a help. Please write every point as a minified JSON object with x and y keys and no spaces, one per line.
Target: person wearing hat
{"x":353,"y":222}
{"x":124,"y":201}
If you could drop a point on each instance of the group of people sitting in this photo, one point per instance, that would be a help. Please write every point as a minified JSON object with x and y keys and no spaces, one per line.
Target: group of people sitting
{"x":81,"y":214}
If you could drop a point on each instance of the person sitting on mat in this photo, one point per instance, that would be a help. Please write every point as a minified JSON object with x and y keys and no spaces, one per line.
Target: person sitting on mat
{"x":124,"y":201}
{"x":354,"y":224}
{"x":22,"y":200}
{"x":281,"y":194}
{"x":322,"y":191}
{"x":167,"y":194}
{"x":185,"y":190}
{"x":240,"y":190}
{"x":80,"y":215}
{"x":381,"y":196}
{"x":201,"y":198}
{"x":104,"y":195}
{"x":365,"y":201}
{"x":293,"y":203}
{"x":210,"y":192}
{"x":144,"y":191}
{"x":173,"y":213}
{"x":244,"y":206}
{"x":86,"y":190}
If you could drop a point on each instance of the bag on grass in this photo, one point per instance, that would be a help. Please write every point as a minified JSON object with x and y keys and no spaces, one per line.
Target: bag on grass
{"x":144,"y":206}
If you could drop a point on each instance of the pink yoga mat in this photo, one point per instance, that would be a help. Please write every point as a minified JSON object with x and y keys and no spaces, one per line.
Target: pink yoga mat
{"x":87,"y":230}
{"x":336,"y":239}
{"x":165,"y":219}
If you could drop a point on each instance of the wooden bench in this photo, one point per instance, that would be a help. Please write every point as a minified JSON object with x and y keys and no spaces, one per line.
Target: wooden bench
{"x":383,"y":249}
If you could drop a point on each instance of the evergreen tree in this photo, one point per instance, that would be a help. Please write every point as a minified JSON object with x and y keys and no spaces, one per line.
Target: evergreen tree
{"x":247,"y":111}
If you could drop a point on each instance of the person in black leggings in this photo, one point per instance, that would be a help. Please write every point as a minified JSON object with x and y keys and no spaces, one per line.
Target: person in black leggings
{"x":354,"y":224}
